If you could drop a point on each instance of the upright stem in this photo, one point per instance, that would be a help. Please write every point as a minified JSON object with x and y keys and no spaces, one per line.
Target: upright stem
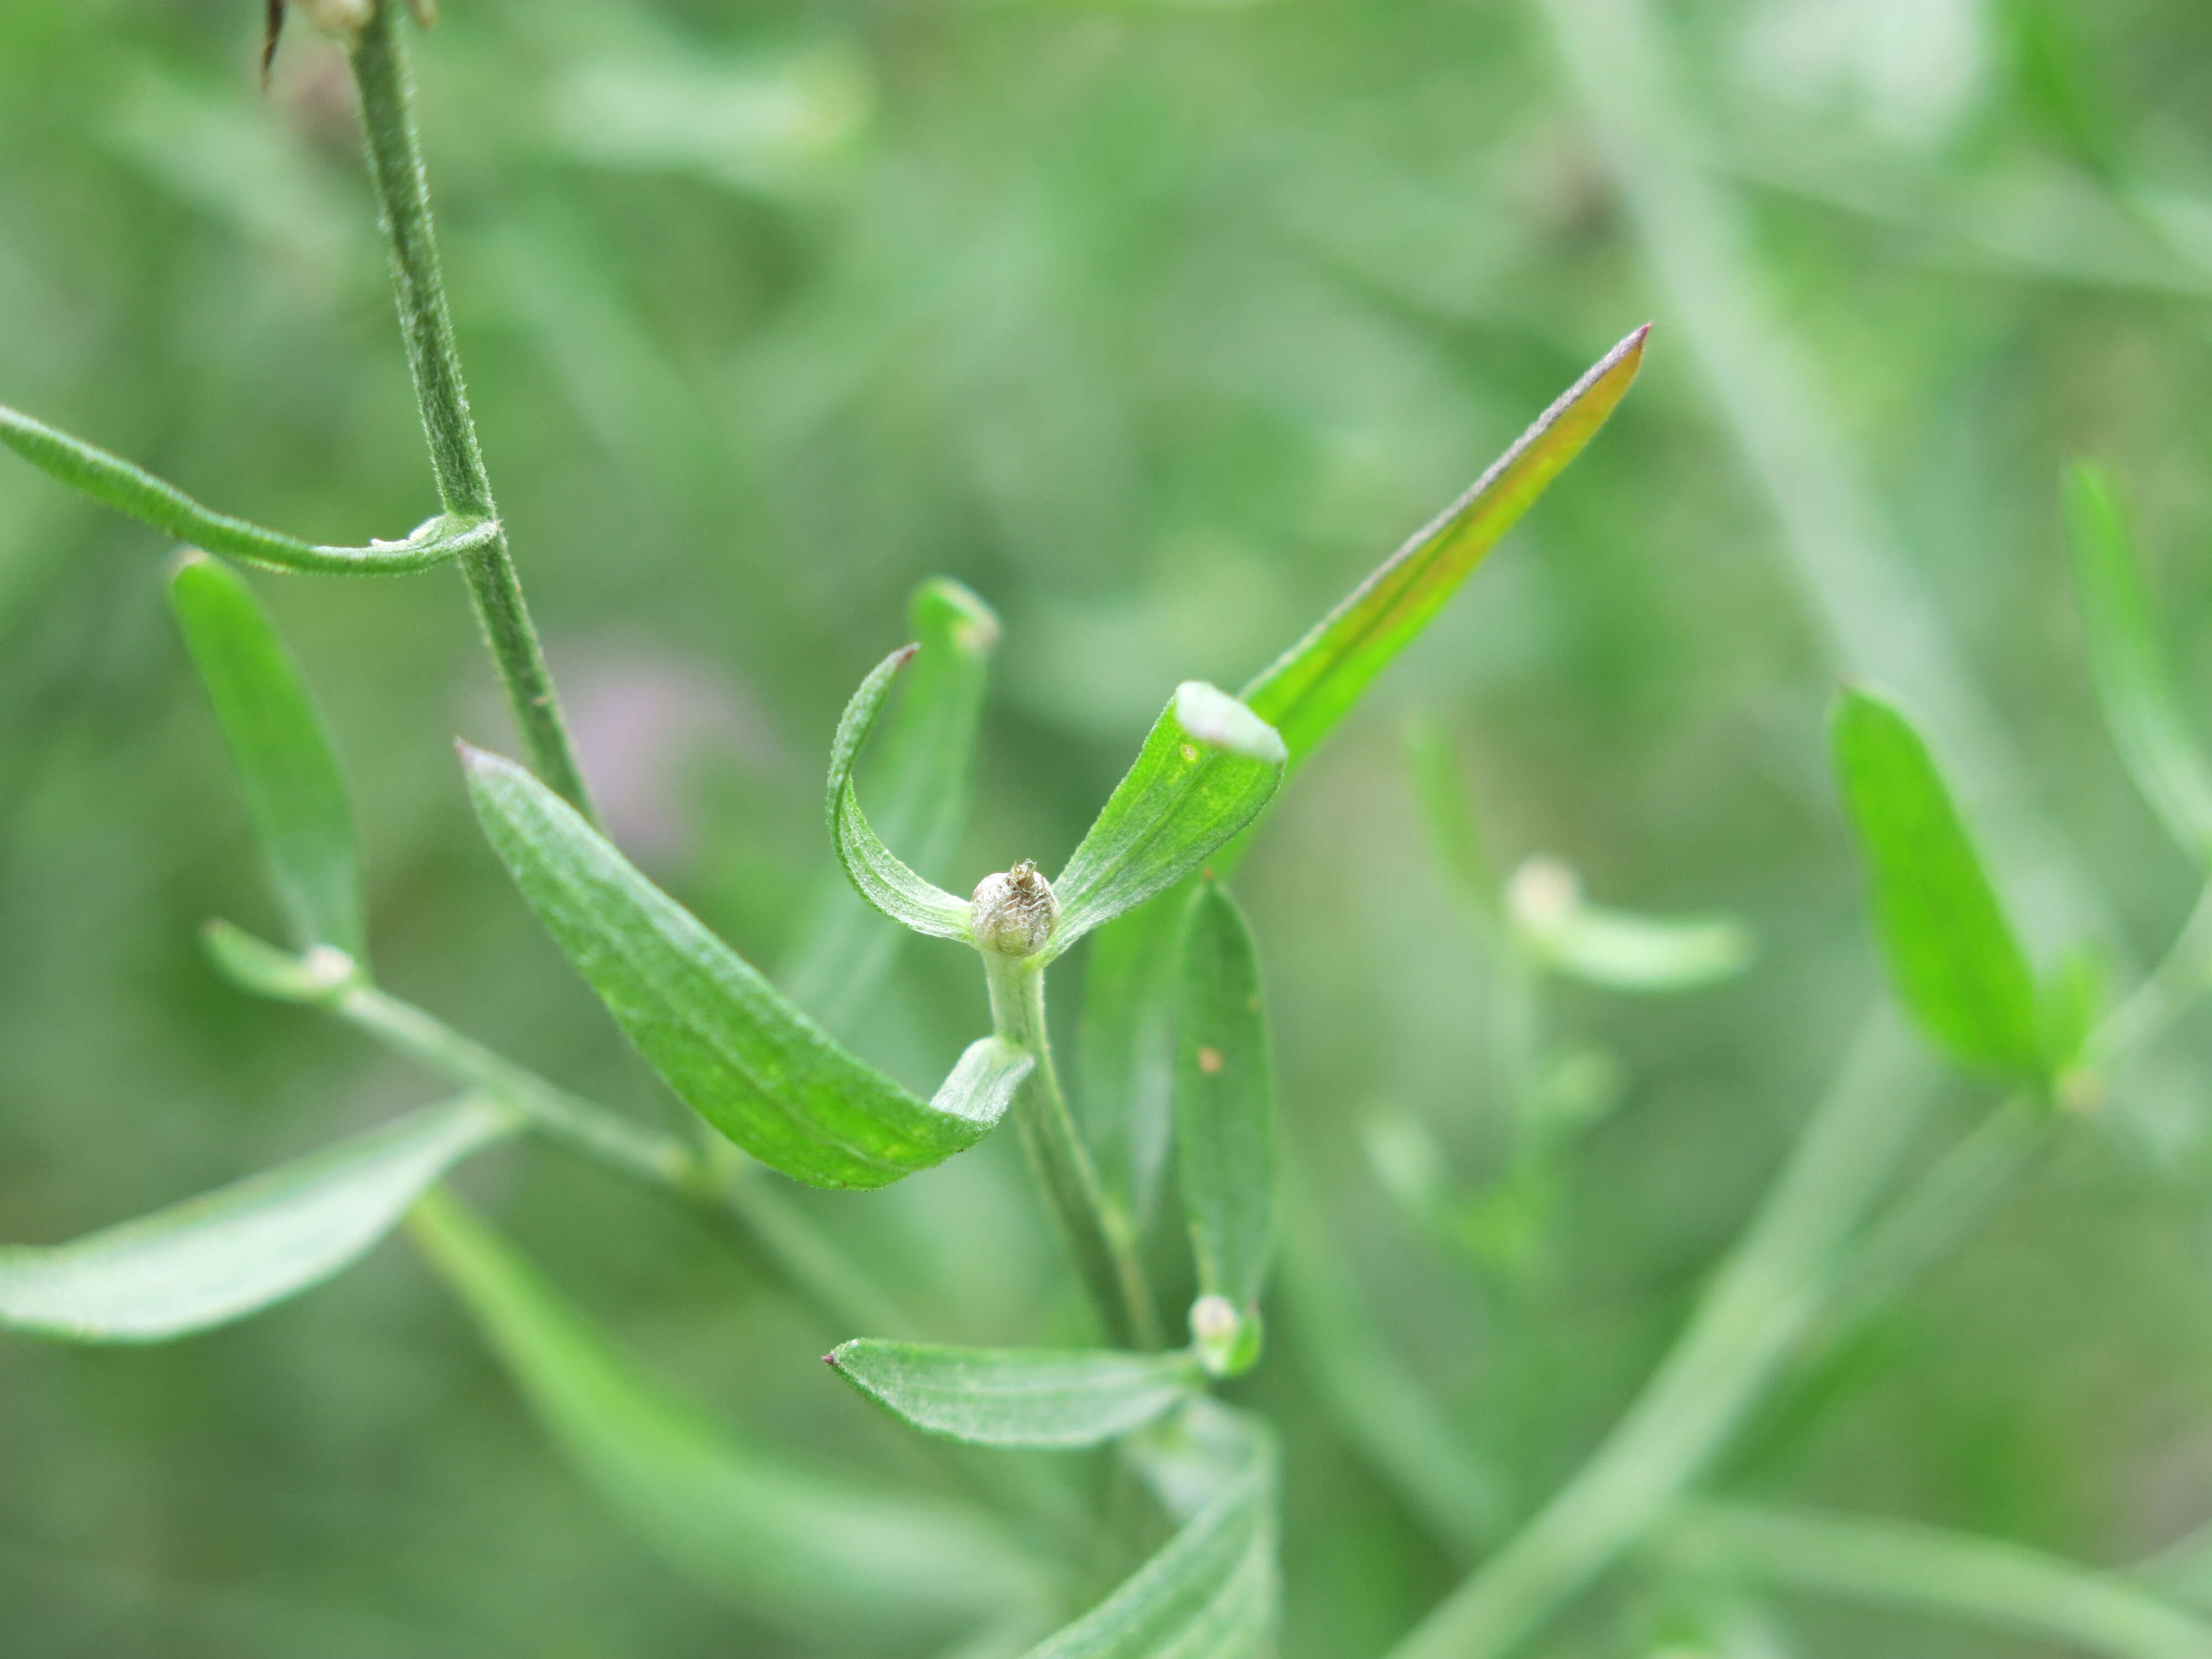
{"x":403,"y":191}
{"x":1100,"y":1235}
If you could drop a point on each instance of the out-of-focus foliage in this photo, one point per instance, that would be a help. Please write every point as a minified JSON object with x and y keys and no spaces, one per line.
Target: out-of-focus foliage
{"x":1157,"y":324}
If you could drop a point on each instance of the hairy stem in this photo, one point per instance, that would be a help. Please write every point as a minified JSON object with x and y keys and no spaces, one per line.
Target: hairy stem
{"x":1097,"y":1231}
{"x":403,"y":192}
{"x":1766,"y":1296}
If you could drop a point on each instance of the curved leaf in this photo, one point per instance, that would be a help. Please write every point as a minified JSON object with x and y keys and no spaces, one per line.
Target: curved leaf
{"x":1620,"y":950}
{"x":924,"y":778}
{"x":734,"y":1049}
{"x":814,"y":1552}
{"x":1224,"y":1109}
{"x":1311,"y":686}
{"x":1127,"y":1052}
{"x":876,"y":872}
{"x":294,"y":791}
{"x":234,"y":1251}
{"x":1207,"y":767}
{"x":1953,"y":960}
{"x":1017,"y":1396}
{"x":116,"y":483}
{"x":1211,"y":1591}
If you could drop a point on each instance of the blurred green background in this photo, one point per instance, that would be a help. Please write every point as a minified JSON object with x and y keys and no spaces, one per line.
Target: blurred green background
{"x":1159,"y":323}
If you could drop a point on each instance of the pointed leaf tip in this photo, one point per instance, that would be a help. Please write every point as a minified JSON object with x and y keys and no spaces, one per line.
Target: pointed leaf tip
{"x":1314,"y":684}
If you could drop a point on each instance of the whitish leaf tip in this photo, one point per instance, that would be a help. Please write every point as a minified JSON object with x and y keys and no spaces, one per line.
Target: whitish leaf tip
{"x":1215,"y":718}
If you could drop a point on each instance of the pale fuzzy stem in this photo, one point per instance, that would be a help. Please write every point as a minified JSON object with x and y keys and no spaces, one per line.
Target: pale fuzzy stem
{"x":1099,"y":1233}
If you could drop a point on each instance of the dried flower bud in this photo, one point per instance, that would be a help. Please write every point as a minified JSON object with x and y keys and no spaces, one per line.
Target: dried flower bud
{"x":1014,"y":912}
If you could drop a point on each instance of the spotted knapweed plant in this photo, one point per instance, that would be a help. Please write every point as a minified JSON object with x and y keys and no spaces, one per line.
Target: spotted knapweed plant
{"x":1185,"y":1518}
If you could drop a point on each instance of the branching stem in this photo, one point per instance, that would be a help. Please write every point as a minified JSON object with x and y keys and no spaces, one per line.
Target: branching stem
{"x":730,"y":1190}
{"x":403,"y":192}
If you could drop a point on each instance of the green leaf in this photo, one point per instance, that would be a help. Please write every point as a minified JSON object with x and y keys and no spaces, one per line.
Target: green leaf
{"x":1620,"y":950}
{"x":816,"y":1552}
{"x":1307,"y":691}
{"x":734,"y":1049}
{"x":1017,"y":1396}
{"x":115,"y":482}
{"x":294,"y":791}
{"x":1224,"y":1108}
{"x":1211,"y":1591}
{"x":2133,"y":681}
{"x":923,"y":781}
{"x":1953,"y":960}
{"x":1206,"y":770}
{"x":234,"y":1251}
{"x":1128,"y":1053}
{"x":876,"y":872}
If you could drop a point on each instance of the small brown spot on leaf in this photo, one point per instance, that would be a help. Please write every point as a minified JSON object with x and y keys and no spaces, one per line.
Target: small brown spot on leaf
{"x":1209,"y":1061}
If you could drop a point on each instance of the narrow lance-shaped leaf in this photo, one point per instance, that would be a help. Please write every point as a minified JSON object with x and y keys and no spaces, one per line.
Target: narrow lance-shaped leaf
{"x":1620,"y":950}
{"x":234,"y":1251}
{"x":2133,"y":681}
{"x":733,"y":1048}
{"x":876,"y":872}
{"x":1206,"y":770}
{"x":1127,"y":1052}
{"x":814,"y":1552}
{"x":1312,"y":685}
{"x":922,"y":785}
{"x":1046,"y":1400}
{"x":116,"y":483}
{"x":1954,"y":959}
{"x":1211,"y":1591}
{"x":1224,"y":1118}
{"x":294,"y":792}
{"x":1305,"y":691}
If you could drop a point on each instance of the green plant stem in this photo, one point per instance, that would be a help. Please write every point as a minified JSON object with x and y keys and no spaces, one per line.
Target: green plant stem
{"x":1767,"y":1295}
{"x":1979,"y":1579}
{"x":1099,"y":1234}
{"x":403,"y":192}
{"x":607,"y":1139}
{"x":1789,"y":1273}
{"x":731,"y":1188}
{"x":2181,"y":977}
{"x":1943,"y":1204}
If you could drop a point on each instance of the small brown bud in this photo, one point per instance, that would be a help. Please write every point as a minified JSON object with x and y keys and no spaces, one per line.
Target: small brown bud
{"x":1014,"y":912}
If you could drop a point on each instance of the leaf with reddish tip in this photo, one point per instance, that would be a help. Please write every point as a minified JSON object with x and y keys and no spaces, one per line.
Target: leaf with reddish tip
{"x":1311,"y":686}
